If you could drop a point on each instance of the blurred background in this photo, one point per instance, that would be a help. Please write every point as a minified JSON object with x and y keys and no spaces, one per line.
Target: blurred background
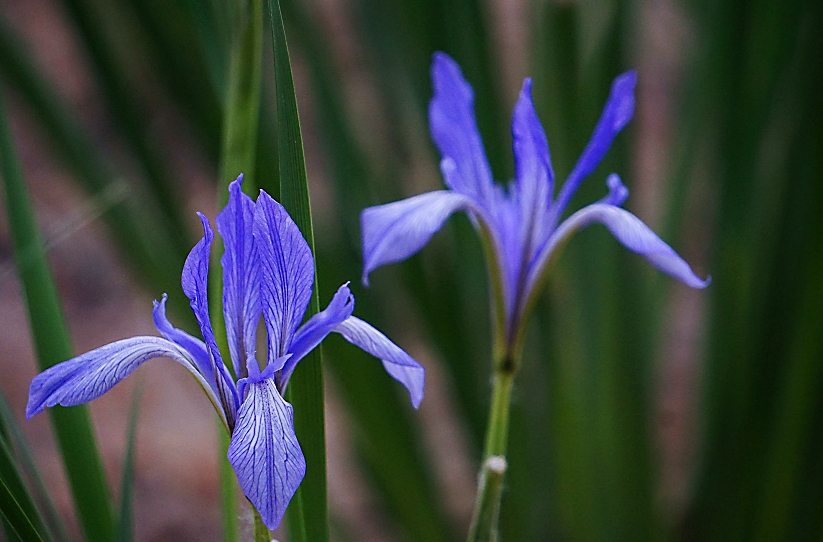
{"x":644,"y":410}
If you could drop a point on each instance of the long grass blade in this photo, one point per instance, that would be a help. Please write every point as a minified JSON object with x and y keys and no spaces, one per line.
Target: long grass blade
{"x":307,"y":516}
{"x":72,"y":426}
{"x":125,"y":525}
{"x":11,"y":431}
{"x":15,"y":518}
{"x":147,"y":252}
{"x":119,"y":91}
{"x":386,"y":436}
{"x":15,"y":484}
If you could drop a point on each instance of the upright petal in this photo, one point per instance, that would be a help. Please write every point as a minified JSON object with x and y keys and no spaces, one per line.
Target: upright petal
{"x":454,"y":130}
{"x":394,"y":231}
{"x":87,"y":377}
{"x":194,"y":346}
{"x":632,"y":233}
{"x":532,"y":163}
{"x":241,"y":292}
{"x":265,"y":453}
{"x":317,"y":328}
{"x":195,"y":285}
{"x":401,"y":366}
{"x":286,"y":272}
{"x":617,"y":113}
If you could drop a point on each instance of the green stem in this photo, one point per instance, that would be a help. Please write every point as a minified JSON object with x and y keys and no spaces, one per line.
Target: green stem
{"x":228,"y":490}
{"x":490,"y":479}
{"x":261,"y":532}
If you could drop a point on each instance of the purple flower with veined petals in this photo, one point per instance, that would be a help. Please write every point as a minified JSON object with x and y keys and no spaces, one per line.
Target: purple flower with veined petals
{"x":267,"y":269}
{"x":522,"y":222}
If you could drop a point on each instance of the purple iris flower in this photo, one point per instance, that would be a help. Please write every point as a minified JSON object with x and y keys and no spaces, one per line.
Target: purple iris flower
{"x":267,"y":269}
{"x":520,"y":224}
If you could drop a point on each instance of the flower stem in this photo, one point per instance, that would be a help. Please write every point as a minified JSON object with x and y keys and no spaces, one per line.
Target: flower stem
{"x":490,"y":479}
{"x":261,"y":532}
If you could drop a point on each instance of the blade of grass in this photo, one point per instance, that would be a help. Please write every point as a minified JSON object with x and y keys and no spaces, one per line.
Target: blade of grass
{"x":174,"y":46}
{"x":129,"y":220}
{"x":405,"y":479}
{"x":242,"y":108}
{"x":72,"y":426}
{"x":13,"y":433}
{"x":15,"y":517}
{"x":10,"y":475}
{"x":757,"y":108}
{"x":307,"y":515}
{"x":119,"y":92}
{"x":125,"y":526}
{"x":213,"y":21}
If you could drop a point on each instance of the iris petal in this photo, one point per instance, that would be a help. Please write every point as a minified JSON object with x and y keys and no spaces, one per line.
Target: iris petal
{"x":618,"y":112}
{"x":401,"y":366}
{"x":264,"y":451}
{"x":533,"y":169}
{"x":394,"y":231}
{"x":241,"y":294}
{"x":454,"y":130}
{"x":194,"y":346}
{"x":632,"y":233}
{"x":195,"y":285}
{"x":317,"y":328}
{"x":87,"y":377}
{"x":286,"y":272}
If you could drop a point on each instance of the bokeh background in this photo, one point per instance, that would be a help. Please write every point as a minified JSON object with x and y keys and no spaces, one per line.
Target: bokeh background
{"x":643,"y":411}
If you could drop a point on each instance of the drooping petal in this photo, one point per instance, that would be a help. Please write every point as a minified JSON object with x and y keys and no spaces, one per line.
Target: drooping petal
{"x":533,"y":169}
{"x":286,"y":272}
{"x":241,"y":293}
{"x":195,"y":285}
{"x":401,"y":366}
{"x":454,"y":130}
{"x":616,"y":196}
{"x":617,"y":113}
{"x":194,"y":346}
{"x":633,"y":234}
{"x":317,"y":328}
{"x":394,"y":231}
{"x":87,"y":377}
{"x":265,"y":453}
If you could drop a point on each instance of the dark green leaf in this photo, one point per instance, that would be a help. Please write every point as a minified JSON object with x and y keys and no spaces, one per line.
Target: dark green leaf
{"x":72,"y":426}
{"x":125,"y":531}
{"x":307,"y":515}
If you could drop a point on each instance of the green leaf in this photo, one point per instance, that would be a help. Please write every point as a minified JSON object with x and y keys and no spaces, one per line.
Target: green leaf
{"x":125,"y":531}
{"x":15,"y":484}
{"x":385,"y":436}
{"x":72,"y":426}
{"x":307,"y":515}
{"x":127,"y":215}
{"x":15,"y":517}
{"x":242,"y":108}
{"x":11,"y":431}
{"x":228,"y":487}
{"x":121,"y":92}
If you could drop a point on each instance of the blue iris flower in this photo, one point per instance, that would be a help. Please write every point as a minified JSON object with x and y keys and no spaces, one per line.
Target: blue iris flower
{"x":267,"y":269}
{"x":520,"y":224}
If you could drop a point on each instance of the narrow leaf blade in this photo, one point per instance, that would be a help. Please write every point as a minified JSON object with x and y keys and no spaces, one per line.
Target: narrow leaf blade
{"x":307,"y":516}
{"x":72,"y":426}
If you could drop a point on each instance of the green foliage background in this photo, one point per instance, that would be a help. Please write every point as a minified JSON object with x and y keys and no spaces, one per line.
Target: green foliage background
{"x":739,"y":194}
